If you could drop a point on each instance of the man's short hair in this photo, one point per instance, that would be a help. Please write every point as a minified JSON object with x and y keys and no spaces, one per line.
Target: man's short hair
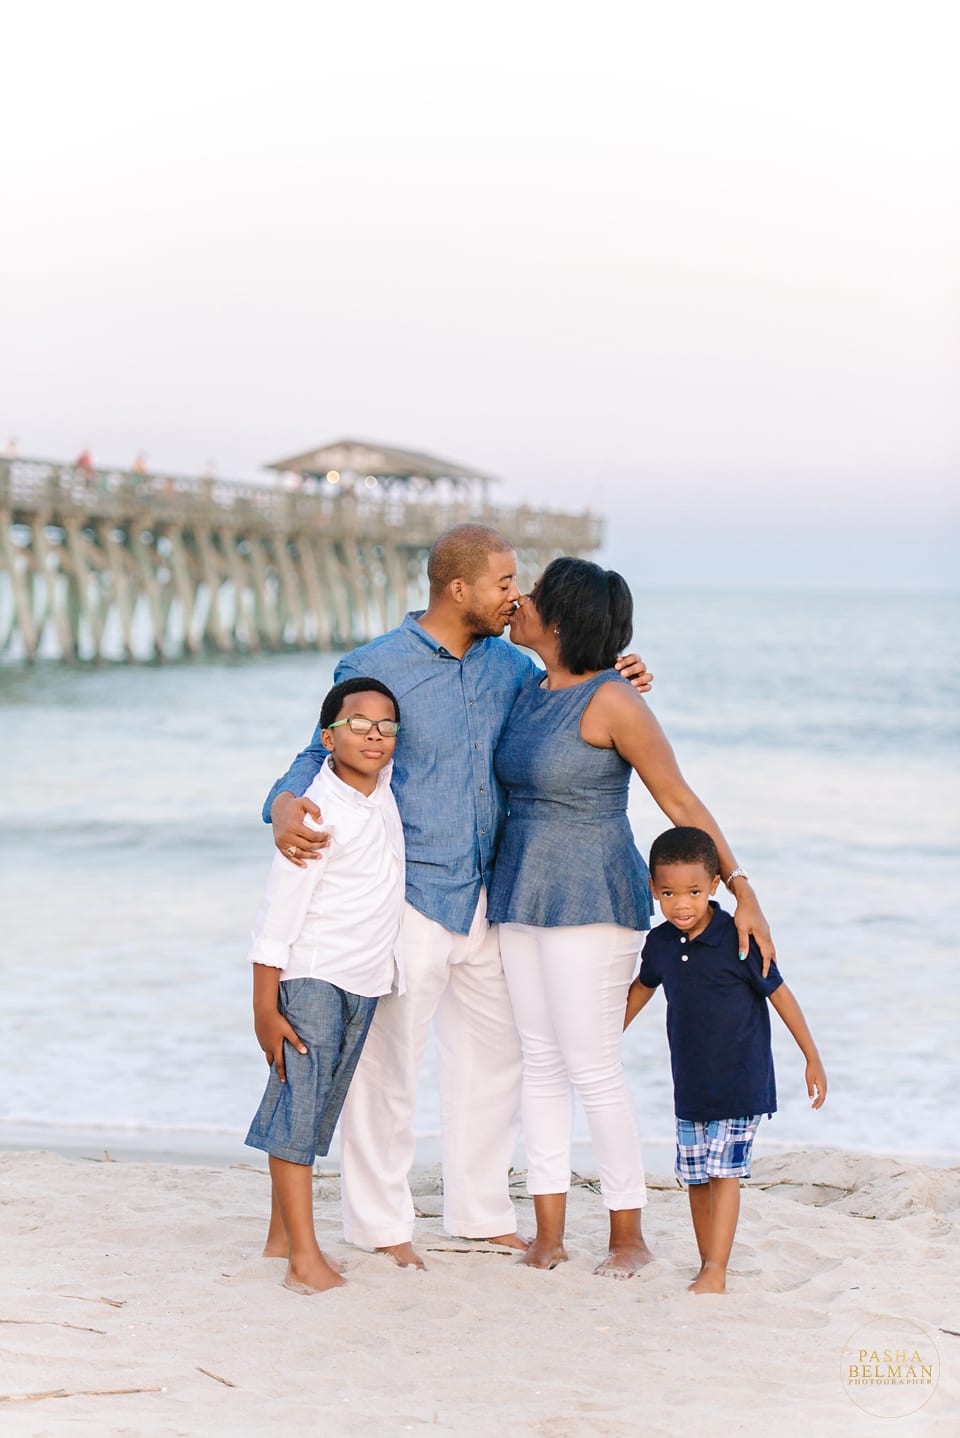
{"x":462,"y":553}
{"x":333,"y":703}
{"x":684,"y":846}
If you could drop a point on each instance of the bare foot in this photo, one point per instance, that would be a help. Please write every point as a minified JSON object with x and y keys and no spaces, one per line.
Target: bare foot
{"x":312,"y":1274}
{"x":503,"y":1240}
{"x":274,"y":1250}
{"x":510,"y":1240}
{"x":544,"y":1255}
{"x":625,"y":1260}
{"x":709,"y":1280}
{"x":404,"y":1255}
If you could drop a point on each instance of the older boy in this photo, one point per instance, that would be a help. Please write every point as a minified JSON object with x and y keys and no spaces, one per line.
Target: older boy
{"x":718,"y":1027}
{"x":326,"y":945}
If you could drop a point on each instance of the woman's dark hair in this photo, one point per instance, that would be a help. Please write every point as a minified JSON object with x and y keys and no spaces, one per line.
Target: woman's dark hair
{"x":684,"y":846}
{"x":591,"y":608}
{"x":333,"y":703}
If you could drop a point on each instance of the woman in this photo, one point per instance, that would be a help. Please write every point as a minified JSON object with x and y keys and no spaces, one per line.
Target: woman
{"x":570,"y":892}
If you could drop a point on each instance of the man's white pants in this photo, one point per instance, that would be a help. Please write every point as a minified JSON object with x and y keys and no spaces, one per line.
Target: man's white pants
{"x":569,"y":992}
{"x":457,"y":980}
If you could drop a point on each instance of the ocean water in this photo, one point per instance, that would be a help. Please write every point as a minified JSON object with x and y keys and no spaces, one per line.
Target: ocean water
{"x":821,"y":730}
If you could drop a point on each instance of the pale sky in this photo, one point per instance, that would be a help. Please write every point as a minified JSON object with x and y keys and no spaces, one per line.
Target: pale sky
{"x":693,"y":265}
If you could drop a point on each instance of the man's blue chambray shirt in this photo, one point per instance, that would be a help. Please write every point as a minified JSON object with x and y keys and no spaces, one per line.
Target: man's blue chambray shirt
{"x":452,"y":713}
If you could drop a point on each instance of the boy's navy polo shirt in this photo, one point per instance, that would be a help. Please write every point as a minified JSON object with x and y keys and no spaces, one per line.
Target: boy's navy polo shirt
{"x":718,"y":1020}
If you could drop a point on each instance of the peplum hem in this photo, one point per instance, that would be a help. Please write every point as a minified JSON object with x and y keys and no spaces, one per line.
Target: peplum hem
{"x":558,"y":875}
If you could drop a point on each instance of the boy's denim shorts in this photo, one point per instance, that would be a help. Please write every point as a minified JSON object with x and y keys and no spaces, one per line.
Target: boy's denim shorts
{"x":715,"y":1148}
{"x":296,"y":1119}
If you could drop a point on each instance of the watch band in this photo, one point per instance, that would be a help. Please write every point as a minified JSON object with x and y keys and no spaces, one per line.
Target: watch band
{"x":737,"y":874}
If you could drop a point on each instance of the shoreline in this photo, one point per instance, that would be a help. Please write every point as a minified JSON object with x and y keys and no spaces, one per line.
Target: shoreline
{"x":221,"y":1149}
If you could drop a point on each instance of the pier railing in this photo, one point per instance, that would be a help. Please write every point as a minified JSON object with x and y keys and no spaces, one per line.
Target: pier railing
{"x":111,"y":563}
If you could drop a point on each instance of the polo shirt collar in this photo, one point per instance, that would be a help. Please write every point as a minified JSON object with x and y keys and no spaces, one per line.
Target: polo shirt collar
{"x":713,"y":935}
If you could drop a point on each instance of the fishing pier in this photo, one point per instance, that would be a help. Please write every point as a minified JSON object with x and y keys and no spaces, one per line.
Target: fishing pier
{"x":114,"y":564}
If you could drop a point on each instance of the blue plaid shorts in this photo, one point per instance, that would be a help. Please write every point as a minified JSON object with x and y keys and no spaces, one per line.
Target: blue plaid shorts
{"x":715,"y":1148}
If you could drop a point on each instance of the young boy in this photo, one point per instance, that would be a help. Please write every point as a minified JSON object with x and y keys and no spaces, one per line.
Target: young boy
{"x":326,"y":945}
{"x":718,"y":1027}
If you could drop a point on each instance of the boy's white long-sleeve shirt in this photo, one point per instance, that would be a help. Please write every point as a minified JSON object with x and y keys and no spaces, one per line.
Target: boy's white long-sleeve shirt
{"x":339,"y":918}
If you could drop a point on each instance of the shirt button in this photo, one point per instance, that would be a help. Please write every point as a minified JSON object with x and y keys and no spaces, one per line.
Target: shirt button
{"x":483,"y":831}
{"x":683,"y":958}
{"x":476,"y":746}
{"x":482,"y":789}
{"x":683,"y":938}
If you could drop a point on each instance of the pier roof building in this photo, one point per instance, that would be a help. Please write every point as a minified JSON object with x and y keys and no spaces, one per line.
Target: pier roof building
{"x":389,"y":466}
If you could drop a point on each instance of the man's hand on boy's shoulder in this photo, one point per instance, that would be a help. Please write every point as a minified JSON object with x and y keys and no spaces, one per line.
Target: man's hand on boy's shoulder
{"x":271,"y":1028}
{"x":293,"y":836}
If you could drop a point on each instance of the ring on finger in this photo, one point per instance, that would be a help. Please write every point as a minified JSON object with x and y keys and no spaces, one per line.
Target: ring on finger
{"x":292,"y":851}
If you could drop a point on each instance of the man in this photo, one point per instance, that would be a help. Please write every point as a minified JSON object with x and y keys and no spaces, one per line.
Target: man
{"x":455,"y":681}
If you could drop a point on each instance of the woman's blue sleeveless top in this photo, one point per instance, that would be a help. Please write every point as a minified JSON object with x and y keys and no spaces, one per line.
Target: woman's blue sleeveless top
{"x":567,"y":854}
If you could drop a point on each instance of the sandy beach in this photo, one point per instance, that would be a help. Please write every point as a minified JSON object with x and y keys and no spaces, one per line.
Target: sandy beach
{"x":148,"y":1277}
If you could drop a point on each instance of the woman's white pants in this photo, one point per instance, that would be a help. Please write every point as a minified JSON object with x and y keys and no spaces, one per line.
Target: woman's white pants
{"x":568,"y":987}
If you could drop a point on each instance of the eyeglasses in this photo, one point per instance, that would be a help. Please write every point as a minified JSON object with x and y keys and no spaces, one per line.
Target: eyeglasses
{"x":386,"y":728}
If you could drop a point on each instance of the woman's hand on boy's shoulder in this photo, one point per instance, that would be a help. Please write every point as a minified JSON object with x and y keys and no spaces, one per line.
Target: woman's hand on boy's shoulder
{"x":751,"y":923}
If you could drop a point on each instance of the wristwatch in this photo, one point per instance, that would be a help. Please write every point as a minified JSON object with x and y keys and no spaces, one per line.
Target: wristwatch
{"x":737,"y":874}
